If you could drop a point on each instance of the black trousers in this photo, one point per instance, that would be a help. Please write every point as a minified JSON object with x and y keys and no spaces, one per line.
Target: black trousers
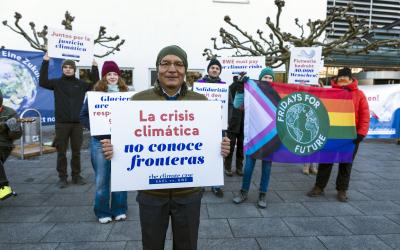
{"x":343,"y":177}
{"x":4,"y":153}
{"x":155,"y":213}
{"x":236,"y":139}
{"x":68,"y":133}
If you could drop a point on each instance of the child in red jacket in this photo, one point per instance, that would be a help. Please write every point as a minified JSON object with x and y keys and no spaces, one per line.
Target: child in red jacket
{"x":344,"y":80}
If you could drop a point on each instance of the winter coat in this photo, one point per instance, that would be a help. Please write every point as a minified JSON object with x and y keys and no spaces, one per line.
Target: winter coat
{"x":209,"y":79}
{"x":6,"y":136}
{"x":235,"y":116}
{"x":69,"y":93}
{"x":361,"y":108}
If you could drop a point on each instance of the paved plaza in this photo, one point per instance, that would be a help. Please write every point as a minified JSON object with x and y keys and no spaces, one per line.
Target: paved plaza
{"x":45,"y":217}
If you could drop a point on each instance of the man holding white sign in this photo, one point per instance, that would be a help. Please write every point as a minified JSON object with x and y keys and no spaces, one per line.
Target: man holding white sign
{"x":183,"y":204}
{"x":69,"y":93}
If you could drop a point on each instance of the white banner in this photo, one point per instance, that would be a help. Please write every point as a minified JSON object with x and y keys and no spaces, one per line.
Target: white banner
{"x":215,"y":92}
{"x":384,"y":107}
{"x":232,"y":66}
{"x":161,"y":144}
{"x":100,"y":112}
{"x":305,"y":64}
{"x":67,"y":44}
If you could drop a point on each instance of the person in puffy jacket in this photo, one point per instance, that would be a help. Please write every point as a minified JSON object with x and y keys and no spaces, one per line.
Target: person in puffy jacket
{"x":10,"y":130}
{"x":344,"y":80}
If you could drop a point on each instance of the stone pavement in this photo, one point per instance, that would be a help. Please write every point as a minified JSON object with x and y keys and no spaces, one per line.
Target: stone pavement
{"x":45,"y":217}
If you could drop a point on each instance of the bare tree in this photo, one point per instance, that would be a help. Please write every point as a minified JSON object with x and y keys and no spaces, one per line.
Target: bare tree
{"x":38,"y":40}
{"x":276,"y":46}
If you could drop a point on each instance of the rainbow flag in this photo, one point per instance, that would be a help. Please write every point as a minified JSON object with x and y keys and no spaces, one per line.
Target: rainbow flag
{"x":298,"y":124}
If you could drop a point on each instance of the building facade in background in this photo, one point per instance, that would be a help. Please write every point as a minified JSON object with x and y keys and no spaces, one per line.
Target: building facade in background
{"x":383,"y":19}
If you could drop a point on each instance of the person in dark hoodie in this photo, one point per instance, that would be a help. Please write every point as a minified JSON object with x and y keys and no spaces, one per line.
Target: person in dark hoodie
{"x":69,"y":93}
{"x":344,"y":80}
{"x":10,"y":130}
{"x":214,"y":69}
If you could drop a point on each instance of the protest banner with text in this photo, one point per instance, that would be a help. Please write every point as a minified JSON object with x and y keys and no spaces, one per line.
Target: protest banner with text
{"x":233,"y":66}
{"x":159,"y":144}
{"x":100,"y":112}
{"x":384,"y":107}
{"x":305,"y":64}
{"x":67,"y":44}
{"x":215,"y":92}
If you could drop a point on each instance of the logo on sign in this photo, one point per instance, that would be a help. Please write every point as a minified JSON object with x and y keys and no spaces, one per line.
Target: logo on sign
{"x":302,"y":123}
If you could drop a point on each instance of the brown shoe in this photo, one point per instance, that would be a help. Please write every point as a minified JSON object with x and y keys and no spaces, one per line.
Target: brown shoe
{"x":342,"y":196}
{"x":315,"y":192}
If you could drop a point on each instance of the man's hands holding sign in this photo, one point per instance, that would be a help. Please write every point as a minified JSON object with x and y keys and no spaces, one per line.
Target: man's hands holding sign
{"x":108,"y":148}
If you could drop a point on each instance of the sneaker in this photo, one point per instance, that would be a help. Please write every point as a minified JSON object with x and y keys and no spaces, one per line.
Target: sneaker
{"x":78,"y":180}
{"x":315,"y":192}
{"x":120,"y":217}
{"x":228,"y":173}
{"x":239,"y":172}
{"x":262,"y":201}
{"x":342,"y":196}
{"x":105,"y":220}
{"x":5,"y":192}
{"x":62,"y":183}
{"x":217,"y":191}
{"x":241,"y":197}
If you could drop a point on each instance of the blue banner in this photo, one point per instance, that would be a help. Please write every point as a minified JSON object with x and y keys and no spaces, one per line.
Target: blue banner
{"x":19,"y":82}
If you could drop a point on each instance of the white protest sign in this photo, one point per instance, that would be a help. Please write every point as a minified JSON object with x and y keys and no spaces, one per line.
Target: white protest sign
{"x":100,"y":112}
{"x":215,"y":92}
{"x":166,"y":144}
{"x":232,"y":66}
{"x":305,"y":64}
{"x":67,"y":44}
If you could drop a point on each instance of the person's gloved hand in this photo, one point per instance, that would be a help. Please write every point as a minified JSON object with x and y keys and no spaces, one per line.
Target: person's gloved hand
{"x":13,"y":125}
{"x":241,"y":82}
{"x":358,"y":139}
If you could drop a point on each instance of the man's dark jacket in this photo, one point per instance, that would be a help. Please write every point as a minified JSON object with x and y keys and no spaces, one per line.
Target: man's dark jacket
{"x":235,"y":116}
{"x":69,"y":93}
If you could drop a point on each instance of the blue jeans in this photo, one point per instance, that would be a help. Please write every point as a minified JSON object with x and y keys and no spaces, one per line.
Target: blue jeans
{"x":102,"y":169}
{"x":248,"y":172}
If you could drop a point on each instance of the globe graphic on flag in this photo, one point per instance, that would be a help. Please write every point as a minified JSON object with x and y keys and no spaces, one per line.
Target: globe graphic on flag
{"x":302,"y":123}
{"x":17,"y":84}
